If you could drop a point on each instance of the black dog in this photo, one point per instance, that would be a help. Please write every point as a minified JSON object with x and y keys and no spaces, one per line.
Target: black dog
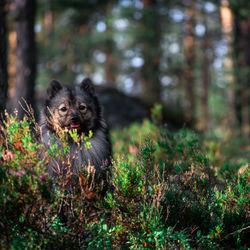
{"x":76,"y":108}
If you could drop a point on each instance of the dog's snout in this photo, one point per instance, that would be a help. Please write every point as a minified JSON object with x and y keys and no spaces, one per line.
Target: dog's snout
{"x":74,"y":118}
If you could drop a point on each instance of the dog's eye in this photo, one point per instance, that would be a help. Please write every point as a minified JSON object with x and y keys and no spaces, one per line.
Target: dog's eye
{"x":82,"y":107}
{"x":63,"y":109}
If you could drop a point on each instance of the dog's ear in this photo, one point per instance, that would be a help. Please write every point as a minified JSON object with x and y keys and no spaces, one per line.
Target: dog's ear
{"x":53,"y":89}
{"x":87,"y":86}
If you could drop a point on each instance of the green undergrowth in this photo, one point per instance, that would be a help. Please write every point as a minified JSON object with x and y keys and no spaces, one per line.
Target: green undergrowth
{"x":166,"y":190}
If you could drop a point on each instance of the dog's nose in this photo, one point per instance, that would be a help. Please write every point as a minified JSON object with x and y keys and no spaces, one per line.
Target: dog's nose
{"x":74,"y":118}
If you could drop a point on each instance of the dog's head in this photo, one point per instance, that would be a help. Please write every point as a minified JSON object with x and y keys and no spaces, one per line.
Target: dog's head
{"x":72,"y":108}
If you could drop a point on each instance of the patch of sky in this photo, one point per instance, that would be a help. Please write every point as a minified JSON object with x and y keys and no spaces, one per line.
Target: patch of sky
{"x":221,"y":83}
{"x":128,"y":85}
{"x":220,"y":49}
{"x":166,"y":81}
{"x":137,"y":62}
{"x":126,"y":3}
{"x":120,"y":40}
{"x":174,"y":48}
{"x":79,"y":78}
{"x":129,"y":53}
{"x":138,"y":4}
{"x":38,"y":27}
{"x":101,"y":26}
{"x":176,"y":15}
{"x":98,"y":78}
{"x":218,"y":64}
{"x":125,"y":83}
{"x":121,"y":24}
{"x":99,"y":56}
{"x":200,"y":29}
{"x":209,"y":7}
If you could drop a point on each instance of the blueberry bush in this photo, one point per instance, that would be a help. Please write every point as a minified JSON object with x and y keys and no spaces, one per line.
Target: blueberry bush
{"x":166,"y":190}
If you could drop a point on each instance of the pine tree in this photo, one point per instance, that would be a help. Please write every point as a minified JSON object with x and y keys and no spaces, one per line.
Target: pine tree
{"x":3,"y":58}
{"x":24,"y":14}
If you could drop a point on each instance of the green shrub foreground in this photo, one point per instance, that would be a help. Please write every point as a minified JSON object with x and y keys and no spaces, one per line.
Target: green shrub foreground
{"x":164,"y":193}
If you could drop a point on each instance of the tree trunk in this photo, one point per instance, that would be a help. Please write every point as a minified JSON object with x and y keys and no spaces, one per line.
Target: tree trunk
{"x":227,"y":28}
{"x":24,"y":13}
{"x":49,"y":19}
{"x":242,"y":55}
{"x":151,"y":86}
{"x":110,"y":67}
{"x":189,"y":50}
{"x":3,"y":58}
{"x":205,"y":79}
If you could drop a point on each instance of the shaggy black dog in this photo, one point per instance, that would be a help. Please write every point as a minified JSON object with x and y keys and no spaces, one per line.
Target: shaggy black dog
{"x":75,"y":108}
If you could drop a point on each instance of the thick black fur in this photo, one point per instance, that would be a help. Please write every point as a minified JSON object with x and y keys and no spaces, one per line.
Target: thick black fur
{"x":83,"y":111}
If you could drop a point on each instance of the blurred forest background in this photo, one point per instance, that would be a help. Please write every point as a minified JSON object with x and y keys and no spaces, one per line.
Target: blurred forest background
{"x":192,"y":56}
{"x":184,"y":64}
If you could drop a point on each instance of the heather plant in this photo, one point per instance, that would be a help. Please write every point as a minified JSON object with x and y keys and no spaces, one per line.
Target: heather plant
{"x":166,"y":190}
{"x":227,"y":154}
{"x":24,"y":183}
{"x":191,"y":200}
{"x":33,"y":205}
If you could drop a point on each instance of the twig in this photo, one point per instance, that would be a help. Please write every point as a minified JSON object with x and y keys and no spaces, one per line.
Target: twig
{"x":241,"y":229}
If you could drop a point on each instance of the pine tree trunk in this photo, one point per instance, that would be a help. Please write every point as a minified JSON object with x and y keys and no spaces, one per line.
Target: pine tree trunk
{"x":189,"y":50}
{"x":227,"y":28}
{"x":205,"y":79}
{"x":151,"y":86}
{"x":49,"y":19}
{"x":110,"y":67}
{"x":242,"y":55}
{"x":3,"y":58}
{"x":24,"y":13}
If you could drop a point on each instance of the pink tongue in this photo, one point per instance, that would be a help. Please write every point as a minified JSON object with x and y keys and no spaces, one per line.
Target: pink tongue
{"x":75,"y":125}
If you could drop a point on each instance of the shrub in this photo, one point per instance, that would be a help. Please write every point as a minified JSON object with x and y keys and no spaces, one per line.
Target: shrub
{"x":164,"y":193}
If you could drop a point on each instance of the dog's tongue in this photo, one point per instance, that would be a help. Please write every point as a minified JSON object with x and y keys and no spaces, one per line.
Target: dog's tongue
{"x":75,"y":125}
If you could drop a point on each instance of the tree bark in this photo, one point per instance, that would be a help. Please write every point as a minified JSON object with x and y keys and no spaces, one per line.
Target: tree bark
{"x":205,"y":78}
{"x":227,"y":29}
{"x":110,"y":67}
{"x":24,"y":14}
{"x":189,"y":50}
{"x":3,"y":58}
{"x":151,"y":86}
{"x":49,"y":19}
{"x":242,"y":70}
